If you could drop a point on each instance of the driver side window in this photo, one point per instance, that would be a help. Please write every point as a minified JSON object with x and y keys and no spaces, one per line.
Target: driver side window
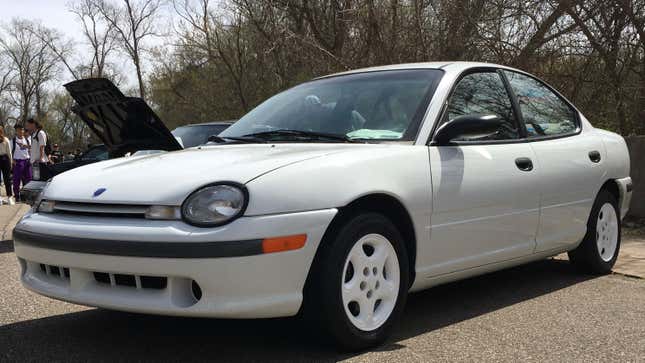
{"x":483,"y":93}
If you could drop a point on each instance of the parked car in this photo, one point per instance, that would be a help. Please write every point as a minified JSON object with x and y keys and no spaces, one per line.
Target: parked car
{"x":198,"y":134}
{"x":93,"y":154}
{"x":42,"y":173}
{"x":126,"y":125}
{"x":335,"y":199}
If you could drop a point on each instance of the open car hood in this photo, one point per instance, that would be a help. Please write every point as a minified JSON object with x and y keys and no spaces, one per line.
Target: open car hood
{"x":124,"y":124}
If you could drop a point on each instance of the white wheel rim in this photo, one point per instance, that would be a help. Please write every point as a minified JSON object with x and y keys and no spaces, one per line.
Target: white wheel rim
{"x":370,"y":282}
{"x":607,"y":232}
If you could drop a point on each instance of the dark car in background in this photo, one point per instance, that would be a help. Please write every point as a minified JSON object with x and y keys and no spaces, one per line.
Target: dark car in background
{"x":198,"y":134}
{"x":93,"y":154}
{"x":125,"y":125}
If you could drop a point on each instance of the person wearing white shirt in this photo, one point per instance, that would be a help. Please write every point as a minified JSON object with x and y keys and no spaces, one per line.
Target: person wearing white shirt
{"x":20,"y":145}
{"x":5,"y":163}
{"x":38,"y":142}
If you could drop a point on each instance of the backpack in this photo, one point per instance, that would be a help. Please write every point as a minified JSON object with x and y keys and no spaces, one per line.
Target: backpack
{"x":48,"y":145}
{"x":13,"y":148}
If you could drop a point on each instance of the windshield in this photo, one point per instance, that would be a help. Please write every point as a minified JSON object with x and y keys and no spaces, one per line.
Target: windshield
{"x":384,"y":105}
{"x":196,"y":135}
{"x":96,"y":153}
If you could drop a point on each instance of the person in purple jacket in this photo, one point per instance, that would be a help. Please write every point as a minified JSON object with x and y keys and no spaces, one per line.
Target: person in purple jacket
{"x":20,"y":144}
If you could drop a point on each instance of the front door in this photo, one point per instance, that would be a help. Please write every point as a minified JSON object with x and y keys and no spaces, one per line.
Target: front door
{"x":485,"y":190}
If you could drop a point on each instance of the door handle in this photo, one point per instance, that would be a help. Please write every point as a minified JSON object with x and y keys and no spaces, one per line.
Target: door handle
{"x":594,"y":156}
{"x":524,"y":164}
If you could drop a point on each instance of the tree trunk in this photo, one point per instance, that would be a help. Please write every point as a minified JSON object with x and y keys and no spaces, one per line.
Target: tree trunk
{"x":142,"y":90}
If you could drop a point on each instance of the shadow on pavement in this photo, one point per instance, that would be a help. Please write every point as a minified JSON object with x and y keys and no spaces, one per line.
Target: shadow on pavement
{"x":6,"y":246}
{"x":106,"y":335}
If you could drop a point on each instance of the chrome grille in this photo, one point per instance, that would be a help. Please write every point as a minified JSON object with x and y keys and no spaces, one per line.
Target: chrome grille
{"x":98,"y":209}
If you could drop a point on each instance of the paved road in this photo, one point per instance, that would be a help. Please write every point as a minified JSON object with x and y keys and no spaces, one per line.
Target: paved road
{"x":542,"y":311}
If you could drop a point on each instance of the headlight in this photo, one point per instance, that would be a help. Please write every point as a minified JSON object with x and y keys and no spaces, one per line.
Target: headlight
{"x":35,"y":202}
{"x":214,"y":205}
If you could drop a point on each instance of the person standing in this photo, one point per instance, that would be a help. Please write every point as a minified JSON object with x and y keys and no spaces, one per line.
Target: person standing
{"x":38,"y":142}
{"x":38,"y":156}
{"x":20,"y":146}
{"x":57,"y":155}
{"x":5,"y":164}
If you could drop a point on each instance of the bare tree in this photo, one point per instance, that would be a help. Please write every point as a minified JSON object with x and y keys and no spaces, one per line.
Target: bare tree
{"x":133,"y":22}
{"x":33,"y":64}
{"x":635,"y":11}
{"x":7,"y":75}
{"x":67,"y":126}
{"x":100,"y":34}
{"x":62,"y":48}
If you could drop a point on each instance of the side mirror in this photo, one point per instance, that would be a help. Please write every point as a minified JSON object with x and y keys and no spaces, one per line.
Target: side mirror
{"x":467,"y":125}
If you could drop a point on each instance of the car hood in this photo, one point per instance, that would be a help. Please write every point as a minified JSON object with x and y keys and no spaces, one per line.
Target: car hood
{"x":167,"y":178}
{"x":124,"y":124}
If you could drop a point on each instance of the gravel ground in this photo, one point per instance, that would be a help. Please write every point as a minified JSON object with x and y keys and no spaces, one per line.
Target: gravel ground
{"x":538,"y":312}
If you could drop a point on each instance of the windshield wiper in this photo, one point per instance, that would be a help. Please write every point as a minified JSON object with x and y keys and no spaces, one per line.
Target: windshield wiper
{"x":311,"y":135}
{"x":227,"y":139}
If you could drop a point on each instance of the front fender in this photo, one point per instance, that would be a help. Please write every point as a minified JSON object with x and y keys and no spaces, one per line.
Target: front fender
{"x":332,"y":181}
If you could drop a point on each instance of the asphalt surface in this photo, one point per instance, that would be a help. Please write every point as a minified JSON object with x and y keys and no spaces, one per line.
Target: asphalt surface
{"x":539,"y":312}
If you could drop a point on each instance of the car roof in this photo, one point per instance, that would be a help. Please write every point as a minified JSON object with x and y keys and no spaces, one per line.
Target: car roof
{"x":212,"y":123}
{"x":455,"y":66}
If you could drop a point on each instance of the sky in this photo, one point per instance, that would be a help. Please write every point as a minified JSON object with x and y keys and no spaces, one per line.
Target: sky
{"x":52,"y":13}
{"x":55,"y":14}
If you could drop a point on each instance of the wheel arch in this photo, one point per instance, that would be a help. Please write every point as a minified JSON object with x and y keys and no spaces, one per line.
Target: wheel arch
{"x":382,"y":203}
{"x":611,"y":185}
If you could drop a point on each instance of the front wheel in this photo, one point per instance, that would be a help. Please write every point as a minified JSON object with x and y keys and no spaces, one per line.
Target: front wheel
{"x":361,"y":282}
{"x":598,"y":251}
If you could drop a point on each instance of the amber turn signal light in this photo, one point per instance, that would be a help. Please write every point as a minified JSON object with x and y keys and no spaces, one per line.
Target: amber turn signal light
{"x":281,"y":244}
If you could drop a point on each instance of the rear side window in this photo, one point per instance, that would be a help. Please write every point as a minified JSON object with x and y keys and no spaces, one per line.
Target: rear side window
{"x":543,"y":111}
{"x":483,"y":93}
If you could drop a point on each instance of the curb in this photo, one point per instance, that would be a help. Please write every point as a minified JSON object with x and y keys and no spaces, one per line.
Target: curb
{"x":7,"y":231}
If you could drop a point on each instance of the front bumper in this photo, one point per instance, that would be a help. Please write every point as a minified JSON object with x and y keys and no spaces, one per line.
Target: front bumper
{"x":625,"y":188}
{"x":249,"y":285}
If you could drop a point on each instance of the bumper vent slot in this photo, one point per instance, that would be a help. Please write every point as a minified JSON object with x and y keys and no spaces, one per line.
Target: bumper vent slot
{"x":136,"y":281}
{"x":55,"y":271}
{"x":154,"y":282}
{"x":125,"y":280}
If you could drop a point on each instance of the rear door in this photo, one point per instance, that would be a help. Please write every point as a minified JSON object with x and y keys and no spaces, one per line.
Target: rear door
{"x":570,"y":161}
{"x":485,"y":190}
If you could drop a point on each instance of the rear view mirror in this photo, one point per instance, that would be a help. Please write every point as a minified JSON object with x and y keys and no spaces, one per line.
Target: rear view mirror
{"x":466,"y":126}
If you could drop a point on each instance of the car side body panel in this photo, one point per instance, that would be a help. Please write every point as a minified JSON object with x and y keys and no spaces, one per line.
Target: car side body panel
{"x":617,"y":154}
{"x":568,"y":187}
{"x":400,"y":171}
{"x":480,"y":198}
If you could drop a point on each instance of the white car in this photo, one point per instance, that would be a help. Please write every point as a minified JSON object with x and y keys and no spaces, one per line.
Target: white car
{"x":337,"y":197}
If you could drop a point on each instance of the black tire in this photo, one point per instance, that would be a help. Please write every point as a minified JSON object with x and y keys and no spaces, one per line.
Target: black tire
{"x":323,"y":296}
{"x":587,"y":257}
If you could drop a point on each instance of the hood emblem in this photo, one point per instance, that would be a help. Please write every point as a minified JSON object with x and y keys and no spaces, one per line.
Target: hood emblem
{"x":98,"y":192}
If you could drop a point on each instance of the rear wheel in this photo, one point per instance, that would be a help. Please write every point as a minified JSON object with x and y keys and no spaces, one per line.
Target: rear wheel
{"x":598,"y":251}
{"x":361,"y":282}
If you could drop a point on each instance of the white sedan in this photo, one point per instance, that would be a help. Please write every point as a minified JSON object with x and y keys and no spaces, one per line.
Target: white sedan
{"x":336,"y":198}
